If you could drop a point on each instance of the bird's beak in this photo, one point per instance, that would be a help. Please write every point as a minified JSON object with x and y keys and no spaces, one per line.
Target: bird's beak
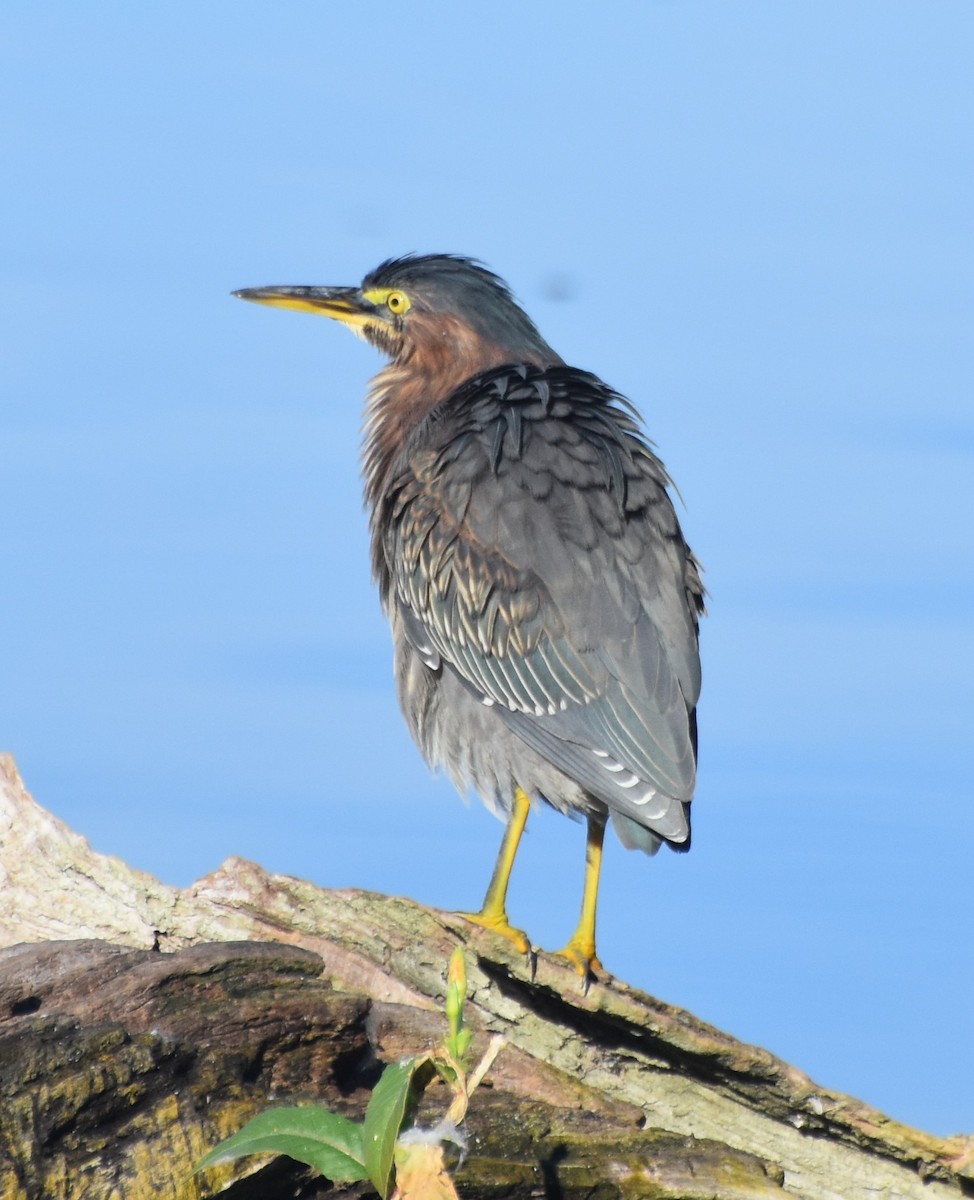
{"x":345,"y":304}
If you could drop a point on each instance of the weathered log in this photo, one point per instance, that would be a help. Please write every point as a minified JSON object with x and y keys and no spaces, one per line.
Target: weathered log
{"x":139,"y":1024}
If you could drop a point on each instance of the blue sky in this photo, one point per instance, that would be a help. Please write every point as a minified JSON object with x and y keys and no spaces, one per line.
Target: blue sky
{"x":754,"y":219}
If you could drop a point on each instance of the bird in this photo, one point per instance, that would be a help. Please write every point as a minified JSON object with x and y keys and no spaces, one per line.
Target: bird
{"x":543,"y":602}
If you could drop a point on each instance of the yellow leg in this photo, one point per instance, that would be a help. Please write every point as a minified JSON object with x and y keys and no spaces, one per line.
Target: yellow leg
{"x":580,"y":950}
{"x":493,"y":914}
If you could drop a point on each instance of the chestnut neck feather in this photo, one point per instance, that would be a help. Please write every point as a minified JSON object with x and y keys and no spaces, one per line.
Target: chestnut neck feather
{"x":439,"y":355}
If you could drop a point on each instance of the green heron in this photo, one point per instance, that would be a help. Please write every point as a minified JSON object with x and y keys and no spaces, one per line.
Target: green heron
{"x":543,"y":602}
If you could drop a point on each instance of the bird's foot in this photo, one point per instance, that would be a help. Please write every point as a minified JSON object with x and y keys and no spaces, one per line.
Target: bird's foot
{"x":580,"y":954}
{"x":498,"y":922}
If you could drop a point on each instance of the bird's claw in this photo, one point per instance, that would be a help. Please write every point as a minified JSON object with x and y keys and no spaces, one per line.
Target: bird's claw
{"x":581,"y":956}
{"x":498,"y":923}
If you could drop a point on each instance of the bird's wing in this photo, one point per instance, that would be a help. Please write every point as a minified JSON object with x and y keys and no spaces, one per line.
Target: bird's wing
{"x":533,"y":548}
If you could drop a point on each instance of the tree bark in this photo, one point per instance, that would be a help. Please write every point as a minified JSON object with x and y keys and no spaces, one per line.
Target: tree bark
{"x":140,"y":1024}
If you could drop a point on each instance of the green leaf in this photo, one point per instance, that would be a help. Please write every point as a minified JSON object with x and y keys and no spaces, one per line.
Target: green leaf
{"x":383,"y":1120}
{"x":330,"y":1143}
{"x":458,"y":1039}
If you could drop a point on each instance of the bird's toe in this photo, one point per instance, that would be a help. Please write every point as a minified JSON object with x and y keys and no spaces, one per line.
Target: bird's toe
{"x":580,"y":955}
{"x":498,"y":923}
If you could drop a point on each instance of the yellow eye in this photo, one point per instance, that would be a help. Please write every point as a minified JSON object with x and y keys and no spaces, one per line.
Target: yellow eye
{"x":397,"y":302}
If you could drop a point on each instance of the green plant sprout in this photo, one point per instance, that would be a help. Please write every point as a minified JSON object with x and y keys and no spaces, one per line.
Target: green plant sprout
{"x":402,"y":1161}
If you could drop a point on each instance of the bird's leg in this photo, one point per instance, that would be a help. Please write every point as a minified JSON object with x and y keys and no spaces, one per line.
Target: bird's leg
{"x":493,"y":914}
{"x":580,"y":950}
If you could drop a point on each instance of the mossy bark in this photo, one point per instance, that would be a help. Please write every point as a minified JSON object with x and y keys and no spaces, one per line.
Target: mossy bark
{"x":163,"y":1019}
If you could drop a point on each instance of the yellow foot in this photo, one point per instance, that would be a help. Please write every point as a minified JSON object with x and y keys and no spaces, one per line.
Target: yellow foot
{"x":499,"y":923}
{"x":581,"y":955}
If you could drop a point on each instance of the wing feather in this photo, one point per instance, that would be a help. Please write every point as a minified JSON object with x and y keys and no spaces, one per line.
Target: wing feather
{"x":531,"y":546}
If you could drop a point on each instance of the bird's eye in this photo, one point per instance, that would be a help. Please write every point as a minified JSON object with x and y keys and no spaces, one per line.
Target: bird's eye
{"x":397,"y":302}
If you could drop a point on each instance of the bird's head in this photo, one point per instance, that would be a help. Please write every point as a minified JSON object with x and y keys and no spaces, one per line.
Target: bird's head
{"x":425,"y":307}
